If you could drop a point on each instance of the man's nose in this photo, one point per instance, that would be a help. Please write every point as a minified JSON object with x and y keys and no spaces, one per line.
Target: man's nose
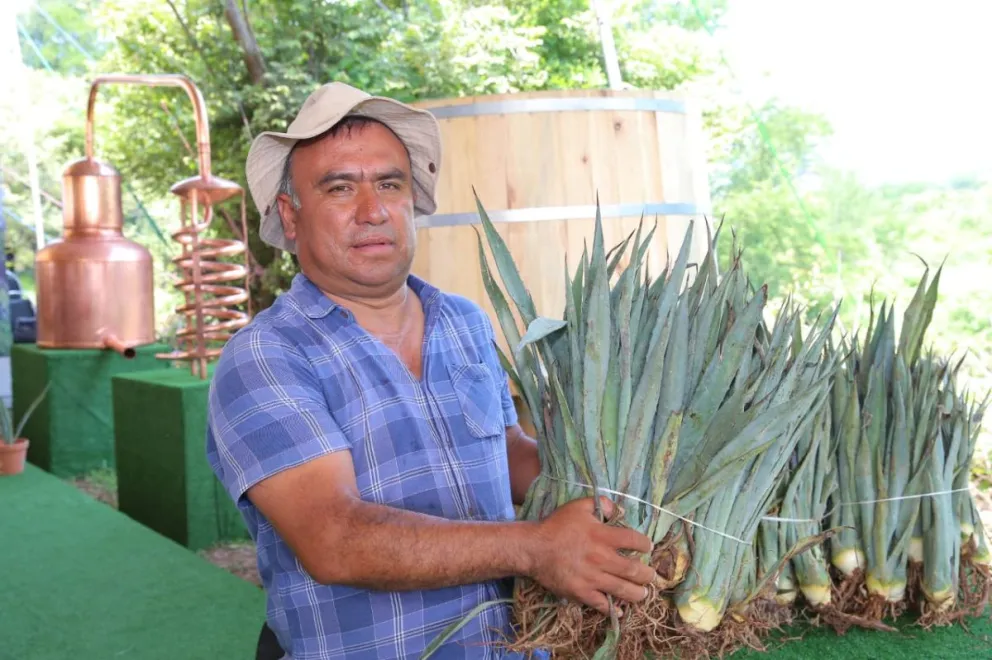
{"x":370,"y":209}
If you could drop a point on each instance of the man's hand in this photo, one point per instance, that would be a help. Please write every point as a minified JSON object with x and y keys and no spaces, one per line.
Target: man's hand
{"x":576,"y":556}
{"x":341,"y":539}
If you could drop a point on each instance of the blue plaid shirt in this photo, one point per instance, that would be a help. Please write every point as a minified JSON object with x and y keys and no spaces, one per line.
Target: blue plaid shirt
{"x":303,"y":380}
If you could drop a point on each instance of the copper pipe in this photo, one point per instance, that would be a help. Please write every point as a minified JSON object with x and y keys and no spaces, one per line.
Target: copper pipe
{"x":206,"y":283}
{"x":158,"y":80}
{"x":113,"y":343}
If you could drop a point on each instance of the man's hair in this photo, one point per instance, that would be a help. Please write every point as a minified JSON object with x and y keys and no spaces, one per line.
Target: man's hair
{"x":348,"y":123}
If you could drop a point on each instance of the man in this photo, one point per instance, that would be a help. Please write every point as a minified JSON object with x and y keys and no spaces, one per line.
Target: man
{"x":363,"y":424}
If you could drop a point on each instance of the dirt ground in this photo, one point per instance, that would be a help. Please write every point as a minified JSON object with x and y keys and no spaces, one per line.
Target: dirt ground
{"x":237,"y":557}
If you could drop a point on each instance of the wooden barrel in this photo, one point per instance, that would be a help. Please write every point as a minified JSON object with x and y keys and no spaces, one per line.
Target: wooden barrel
{"x":538,"y":161}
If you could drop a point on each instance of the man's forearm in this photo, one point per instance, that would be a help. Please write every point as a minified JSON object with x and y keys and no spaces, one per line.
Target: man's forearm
{"x":378,"y":547}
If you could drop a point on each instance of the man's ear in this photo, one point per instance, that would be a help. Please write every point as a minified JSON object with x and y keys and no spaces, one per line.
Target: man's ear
{"x":288,"y":215}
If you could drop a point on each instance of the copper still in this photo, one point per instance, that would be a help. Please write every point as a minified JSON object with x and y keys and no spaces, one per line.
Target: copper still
{"x":208,"y":284}
{"x":95,"y":288}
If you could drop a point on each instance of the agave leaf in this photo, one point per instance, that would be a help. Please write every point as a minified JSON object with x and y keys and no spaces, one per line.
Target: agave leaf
{"x":575,"y":341}
{"x":718,"y":377}
{"x":911,"y":319}
{"x":596,"y":352}
{"x":508,"y":367}
{"x":540,"y":328}
{"x":608,"y":651}
{"x":758,"y":435}
{"x":578,"y":454}
{"x":671,"y":292}
{"x":506,"y":267}
{"x":615,"y":255}
{"x":800,"y":547}
{"x":527,"y":371}
{"x":446,"y":634}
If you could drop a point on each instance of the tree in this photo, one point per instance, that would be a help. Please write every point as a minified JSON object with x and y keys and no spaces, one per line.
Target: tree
{"x":255,"y":69}
{"x":60,"y":36}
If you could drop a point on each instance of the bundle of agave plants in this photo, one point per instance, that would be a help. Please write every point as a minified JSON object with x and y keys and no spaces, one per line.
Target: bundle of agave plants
{"x":780,"y":472}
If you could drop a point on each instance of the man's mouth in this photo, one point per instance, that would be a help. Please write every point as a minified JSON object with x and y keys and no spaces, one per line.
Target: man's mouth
{"x":373,"y":242}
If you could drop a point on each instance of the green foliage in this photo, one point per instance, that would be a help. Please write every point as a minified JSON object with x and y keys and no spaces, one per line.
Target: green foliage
{"x":54,"y":123}
{"x":806,"y":229}
{"x":407,"y":50}
{"x":821,"y":236}
{"x":62,"y":34}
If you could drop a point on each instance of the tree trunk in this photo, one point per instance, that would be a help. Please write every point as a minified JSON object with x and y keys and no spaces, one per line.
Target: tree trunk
{"x":604,"y":20}
{"x":246,"y":39}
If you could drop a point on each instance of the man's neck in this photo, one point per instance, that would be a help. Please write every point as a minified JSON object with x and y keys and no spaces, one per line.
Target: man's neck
{"x":379,"y":315}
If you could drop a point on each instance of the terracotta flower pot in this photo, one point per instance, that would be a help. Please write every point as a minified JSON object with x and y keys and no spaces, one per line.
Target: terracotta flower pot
{"x":12,"y":456}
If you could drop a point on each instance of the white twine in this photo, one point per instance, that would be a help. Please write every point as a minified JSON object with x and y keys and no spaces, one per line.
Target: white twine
{"x":906,"y":497}
{"x":763,"y":518}
{"x":790,"y":520}
{"x":653,"y":506}
{"x":887,"y":499}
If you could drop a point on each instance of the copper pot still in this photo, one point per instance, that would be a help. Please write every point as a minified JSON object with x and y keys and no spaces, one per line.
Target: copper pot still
{"x":95,"y":287}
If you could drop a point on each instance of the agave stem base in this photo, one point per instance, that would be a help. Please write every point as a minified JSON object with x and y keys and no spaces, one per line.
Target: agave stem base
{"x":916,"y":549}
{"x":700,"y":613}
{"x":892,"y":591}
{"x":817,"y":595}
{"x":851,"y":606}
{"x":849,"y":560}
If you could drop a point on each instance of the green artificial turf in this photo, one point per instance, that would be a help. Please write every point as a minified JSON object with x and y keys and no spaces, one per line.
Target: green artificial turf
{"x":80,"y":580}
{"x":911,"y":642}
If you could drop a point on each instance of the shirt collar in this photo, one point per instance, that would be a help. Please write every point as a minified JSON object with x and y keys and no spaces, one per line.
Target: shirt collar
{"x":316,"y":305}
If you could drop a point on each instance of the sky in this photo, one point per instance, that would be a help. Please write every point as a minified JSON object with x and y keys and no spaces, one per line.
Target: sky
{"x":907,"y":86}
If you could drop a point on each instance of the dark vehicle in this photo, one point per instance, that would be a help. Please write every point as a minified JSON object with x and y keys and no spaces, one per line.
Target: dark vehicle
{"x":23,"y":323}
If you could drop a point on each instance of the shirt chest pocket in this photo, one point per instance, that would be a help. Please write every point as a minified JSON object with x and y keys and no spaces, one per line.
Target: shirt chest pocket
{"x":479,"y":399}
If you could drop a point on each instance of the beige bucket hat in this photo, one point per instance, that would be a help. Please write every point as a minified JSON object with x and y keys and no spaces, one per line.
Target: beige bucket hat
{"x":417,"y":129}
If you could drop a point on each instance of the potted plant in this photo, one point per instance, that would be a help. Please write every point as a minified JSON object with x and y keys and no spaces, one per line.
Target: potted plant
{"x":14,"y":448}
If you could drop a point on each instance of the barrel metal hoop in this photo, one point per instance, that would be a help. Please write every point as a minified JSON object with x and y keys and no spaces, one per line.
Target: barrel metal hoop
{"x":543,"y":213}
{"x":558,"y":105}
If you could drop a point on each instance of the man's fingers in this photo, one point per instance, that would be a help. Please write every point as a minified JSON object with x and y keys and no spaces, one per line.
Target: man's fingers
{"x":607,"y":506}
{"x":619,"y":588}
{"x":631,"y":570}
{"x":628,"y":539}
{"x":596,"y":600}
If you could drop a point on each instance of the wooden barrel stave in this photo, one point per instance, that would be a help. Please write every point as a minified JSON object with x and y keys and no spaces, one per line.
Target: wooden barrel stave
{"x":532,"y":161}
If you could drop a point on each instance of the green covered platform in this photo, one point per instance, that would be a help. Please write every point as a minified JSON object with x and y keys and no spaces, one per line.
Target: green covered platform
{"x":80,"y":580}
{"x":163,"y":477}
{"x":72,"y":430}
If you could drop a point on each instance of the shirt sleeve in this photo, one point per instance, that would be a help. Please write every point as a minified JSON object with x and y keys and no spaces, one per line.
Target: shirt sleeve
{"x":266,"y":412}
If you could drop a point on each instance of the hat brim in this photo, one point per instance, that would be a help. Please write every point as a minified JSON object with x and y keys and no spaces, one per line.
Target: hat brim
{"x":417,"y":129}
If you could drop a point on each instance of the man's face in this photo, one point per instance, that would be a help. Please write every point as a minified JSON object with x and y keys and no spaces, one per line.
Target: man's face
{"x":354,"y":230}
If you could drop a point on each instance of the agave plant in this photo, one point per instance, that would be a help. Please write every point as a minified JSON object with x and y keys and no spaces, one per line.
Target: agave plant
{"x":667,"y":393}
{"x":9,"y":433}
